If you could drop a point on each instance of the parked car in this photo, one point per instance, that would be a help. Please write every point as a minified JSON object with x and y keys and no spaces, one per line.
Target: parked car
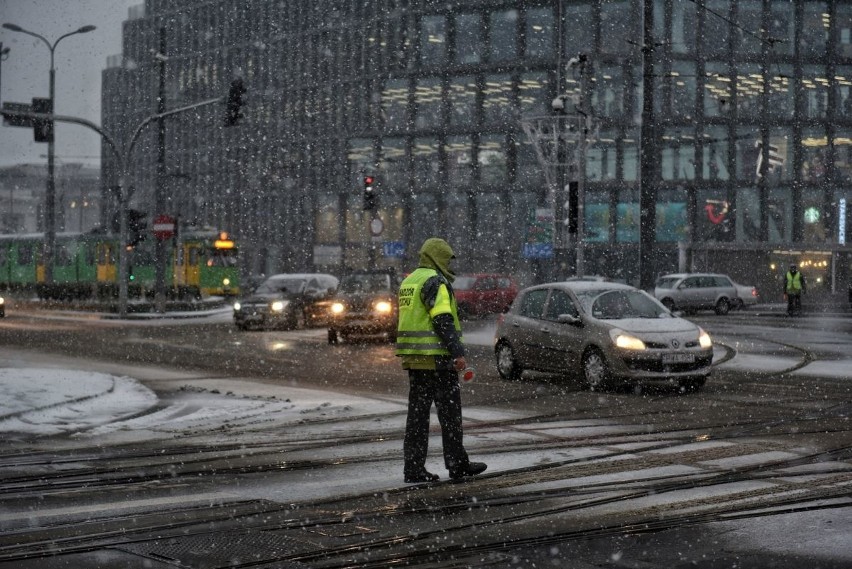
{"x":289,"y":300}
{"x":747,"y":295}
{"x":703,"y":291}
{"x":479,"y":294}
{"x":366,"y":305}
{"x":608,"y":333}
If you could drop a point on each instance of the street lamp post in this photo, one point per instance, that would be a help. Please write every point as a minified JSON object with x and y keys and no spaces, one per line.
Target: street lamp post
{"x":50,"y":195}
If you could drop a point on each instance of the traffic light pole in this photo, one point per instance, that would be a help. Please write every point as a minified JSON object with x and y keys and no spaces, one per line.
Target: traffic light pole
{"x":123,"y":158}
{"x":159,"y":205}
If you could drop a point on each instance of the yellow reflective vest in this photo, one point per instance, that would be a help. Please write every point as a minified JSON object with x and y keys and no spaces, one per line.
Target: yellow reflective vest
{"x":415,"y":335}
{"x":794,"y":283}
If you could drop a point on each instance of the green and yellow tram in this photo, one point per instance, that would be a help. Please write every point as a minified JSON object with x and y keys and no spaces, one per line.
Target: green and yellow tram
{"x":200,"y":263}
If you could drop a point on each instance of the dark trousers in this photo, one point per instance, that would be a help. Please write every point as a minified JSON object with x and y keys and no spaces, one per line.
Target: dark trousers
{"x":442,"y":388}
{"x":794,"y":303}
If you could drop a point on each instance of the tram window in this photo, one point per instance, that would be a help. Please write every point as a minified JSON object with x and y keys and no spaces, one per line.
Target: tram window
{"x":4,"y":256}
{"x":25,"y":254}
{"x":89,"y":255}
{"x":193,"y":257}
{"x":105,"y":255}
{"x":222,"y":258}
{"x":63,"y":256}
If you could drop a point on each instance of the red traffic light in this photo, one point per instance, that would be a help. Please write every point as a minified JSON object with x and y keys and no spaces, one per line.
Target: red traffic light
{"x":368,"y":180}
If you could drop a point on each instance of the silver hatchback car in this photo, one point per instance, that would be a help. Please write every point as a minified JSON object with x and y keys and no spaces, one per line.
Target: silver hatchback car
{"x":608,"y":332}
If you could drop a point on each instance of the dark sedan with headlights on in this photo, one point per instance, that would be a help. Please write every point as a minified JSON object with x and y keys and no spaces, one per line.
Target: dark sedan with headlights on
{"x":607,"y":334}
{"x":287,"y":300}
{"x":365,"y":306}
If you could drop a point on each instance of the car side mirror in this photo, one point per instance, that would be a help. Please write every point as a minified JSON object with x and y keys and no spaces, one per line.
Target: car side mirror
{"x":569,"y":319}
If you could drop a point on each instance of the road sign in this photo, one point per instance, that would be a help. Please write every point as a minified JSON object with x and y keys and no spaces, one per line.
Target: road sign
{"x":376,"y":227}
{"x":9,"y":114}
{"x":394,"y":249}
{"x":164,"y":227}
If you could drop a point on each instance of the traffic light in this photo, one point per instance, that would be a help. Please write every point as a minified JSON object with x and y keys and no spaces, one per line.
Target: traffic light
{"x":369,"y":192}
{"x":136,"y":227}
{"x":233,"y":106}
{"x":42,"y":128}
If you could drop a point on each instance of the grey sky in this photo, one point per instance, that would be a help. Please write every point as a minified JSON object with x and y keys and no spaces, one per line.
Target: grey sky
{"x":79,"y":60}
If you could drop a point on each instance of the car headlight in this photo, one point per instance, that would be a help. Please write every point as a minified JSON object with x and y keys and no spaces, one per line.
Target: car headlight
{"x":337,"y":308}
{"x":704,"y":339}
{"x":278,"y":306}
{"x":625,"y":341}
{"x":383,"y":306}
{"x":237,"y":306}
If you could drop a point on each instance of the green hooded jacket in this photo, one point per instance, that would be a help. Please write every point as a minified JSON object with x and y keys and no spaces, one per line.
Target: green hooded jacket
{"x":436,"y":254}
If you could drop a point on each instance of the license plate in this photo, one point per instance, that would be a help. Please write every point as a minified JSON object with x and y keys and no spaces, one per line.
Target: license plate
{"x":678,"y":358}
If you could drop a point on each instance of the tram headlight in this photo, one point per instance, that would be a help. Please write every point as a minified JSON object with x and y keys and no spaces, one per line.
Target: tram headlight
{"x":226,"y":282}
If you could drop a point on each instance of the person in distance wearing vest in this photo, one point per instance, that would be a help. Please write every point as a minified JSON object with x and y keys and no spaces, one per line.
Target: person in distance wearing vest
{"x":430,"y":345}
{"x":794,"y":286}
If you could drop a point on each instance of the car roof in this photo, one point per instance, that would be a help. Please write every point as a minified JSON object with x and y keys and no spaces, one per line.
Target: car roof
{"x":583,"y":286}
{"x":683,"y":275}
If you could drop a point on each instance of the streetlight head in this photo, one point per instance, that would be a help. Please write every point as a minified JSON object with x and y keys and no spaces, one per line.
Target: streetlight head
{"x":86,"y":29}
{"x":13,"y":27}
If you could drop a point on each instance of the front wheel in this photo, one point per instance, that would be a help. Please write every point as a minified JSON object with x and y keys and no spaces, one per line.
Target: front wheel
{"x":595,"y":370}
{"x":507,"y":365}
{"x":668,"y":303}
{"x":332,"y":336}
{"x":723,"y":306}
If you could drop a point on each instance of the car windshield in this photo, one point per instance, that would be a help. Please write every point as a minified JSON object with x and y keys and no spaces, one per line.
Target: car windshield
{"x":463,"y":283}
{"x":617,"y":304}
{"x":281,"y":286}
{"x":666,"y":282}
{"x":366,"y":283}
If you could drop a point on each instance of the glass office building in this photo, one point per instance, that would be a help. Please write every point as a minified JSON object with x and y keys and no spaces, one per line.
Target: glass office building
{"x":752,"y":124}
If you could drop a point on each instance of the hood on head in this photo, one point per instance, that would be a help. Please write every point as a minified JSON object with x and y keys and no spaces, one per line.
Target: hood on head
{"x":437,"y":254}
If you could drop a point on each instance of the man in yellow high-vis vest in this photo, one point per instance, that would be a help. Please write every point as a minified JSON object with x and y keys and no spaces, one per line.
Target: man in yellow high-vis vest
{"x":430,"y":344}
{"x":794,"y":286}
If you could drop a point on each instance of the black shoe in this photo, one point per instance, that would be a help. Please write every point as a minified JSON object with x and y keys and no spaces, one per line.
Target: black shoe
{"x":420,"y":477}
{"x":472,"y":469}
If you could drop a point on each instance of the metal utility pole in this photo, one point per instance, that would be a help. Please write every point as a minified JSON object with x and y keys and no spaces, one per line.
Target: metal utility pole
{"x":159,"y":199}
{"x":50,"y":194}
{"x":4,"y":55}
{"x":647,"y":187}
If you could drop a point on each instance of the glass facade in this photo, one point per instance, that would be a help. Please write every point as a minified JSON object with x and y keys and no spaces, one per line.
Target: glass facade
{"x":752,"y":116}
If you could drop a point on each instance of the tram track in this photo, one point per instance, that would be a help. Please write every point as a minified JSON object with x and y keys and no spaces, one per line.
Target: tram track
{"x":455,"y":505}
{"x":95,"y":479}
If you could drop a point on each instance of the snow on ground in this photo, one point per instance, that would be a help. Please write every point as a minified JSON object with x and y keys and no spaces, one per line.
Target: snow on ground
{"x":49,"y":400}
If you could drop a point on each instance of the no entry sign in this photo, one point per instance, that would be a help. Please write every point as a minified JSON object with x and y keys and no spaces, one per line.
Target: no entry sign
{"x":164,"y":227}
